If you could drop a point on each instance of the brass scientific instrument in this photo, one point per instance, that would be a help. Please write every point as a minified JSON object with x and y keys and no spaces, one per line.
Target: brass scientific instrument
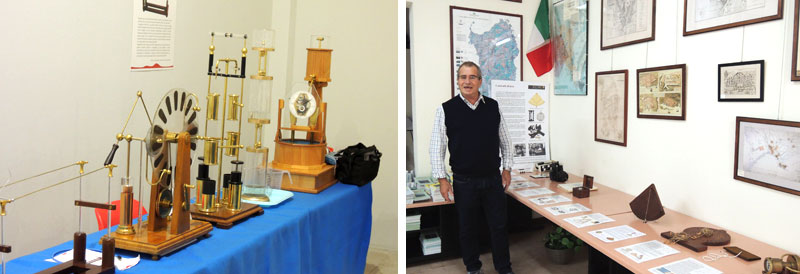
{"x":786,"y":264}
{"x":227,"y":206}
{"x":78,"y":264}
{"x":300,"y":142}
{"x":169,"y":226}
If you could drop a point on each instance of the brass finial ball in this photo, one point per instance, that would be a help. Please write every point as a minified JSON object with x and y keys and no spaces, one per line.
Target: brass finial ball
{"x":211,"y":47}
{"x":244,"y":50}
{"x":119,"y":137}
{"x":128,"y":137}
{"x":139,"y":93}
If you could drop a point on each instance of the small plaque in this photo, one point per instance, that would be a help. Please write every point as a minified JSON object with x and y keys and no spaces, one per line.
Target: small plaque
{"x":588,"y":181}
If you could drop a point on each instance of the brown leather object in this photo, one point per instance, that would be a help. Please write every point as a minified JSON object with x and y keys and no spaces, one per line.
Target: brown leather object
{"x":701,"y":243}
{"x":5,"y":248}
{"x":647,"y":206}
{"x":747,"y":256}
{"x":580,"y":192}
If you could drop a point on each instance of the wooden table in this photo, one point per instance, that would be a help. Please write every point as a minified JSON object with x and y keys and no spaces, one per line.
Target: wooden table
{"x":614,"y":204}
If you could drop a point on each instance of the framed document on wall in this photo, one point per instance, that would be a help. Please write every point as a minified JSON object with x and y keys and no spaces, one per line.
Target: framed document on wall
{"x":709,"y":15}
{"x":611,"y":107}
{"x":493,"y":40}
{"x":569,"y":36}
{"x":741,"y":82}
{"x":661,"y":92}
{"x":767,"y":153}
{"x":795,"y":72}
{"x":627,"y":22}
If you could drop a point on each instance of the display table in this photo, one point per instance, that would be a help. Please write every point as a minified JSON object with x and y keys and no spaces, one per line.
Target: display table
{"x":327,"y":232}
{"x":614,"y":204}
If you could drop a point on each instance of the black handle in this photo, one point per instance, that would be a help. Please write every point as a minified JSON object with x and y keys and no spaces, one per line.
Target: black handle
{"x":110,"y":157}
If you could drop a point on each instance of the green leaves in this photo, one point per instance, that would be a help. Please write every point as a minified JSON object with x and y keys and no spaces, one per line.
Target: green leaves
{"x":560,"y":238}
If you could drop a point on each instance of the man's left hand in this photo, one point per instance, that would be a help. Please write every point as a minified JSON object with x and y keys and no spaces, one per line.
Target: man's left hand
{"x":506,"y":179}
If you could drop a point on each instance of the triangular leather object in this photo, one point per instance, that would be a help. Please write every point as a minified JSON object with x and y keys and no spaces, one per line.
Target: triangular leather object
{"x":647,"y":206}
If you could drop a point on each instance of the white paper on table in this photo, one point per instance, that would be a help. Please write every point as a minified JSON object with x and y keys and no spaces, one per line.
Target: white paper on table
{"x":522,"y":185}
{"x":567,"y":209}
{"x":95,"y":258}
{"x":616,"y":234}
{"x":685,"y":266}
{"x":646,"y":251}
{"x":517,"y":178}
{"x":549,"y":200}
{"x":534,"y":192}
{"x":588,"y":220}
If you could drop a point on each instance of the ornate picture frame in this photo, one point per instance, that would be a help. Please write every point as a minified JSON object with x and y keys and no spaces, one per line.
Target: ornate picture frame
{"x":795,"y":72}
{"x":661,"y":92}
{"x":701,"y":16}
{"x":497,"y":47}
{"x":611,"y":107}
{"x":741,"y":82}
{"x":625,"y":23}
{"x":764,"y":152}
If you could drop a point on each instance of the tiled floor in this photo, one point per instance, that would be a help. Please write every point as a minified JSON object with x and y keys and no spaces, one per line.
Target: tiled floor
{"x":381,"y":261}
{"x":527,"y":256}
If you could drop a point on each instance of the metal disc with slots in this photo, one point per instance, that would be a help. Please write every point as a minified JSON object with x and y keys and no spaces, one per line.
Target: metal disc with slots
{"x":174,"y":114}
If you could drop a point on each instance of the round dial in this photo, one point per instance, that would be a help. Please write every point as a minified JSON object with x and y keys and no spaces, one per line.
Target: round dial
{"x":174,"y":114}
{"x":302,"y":104}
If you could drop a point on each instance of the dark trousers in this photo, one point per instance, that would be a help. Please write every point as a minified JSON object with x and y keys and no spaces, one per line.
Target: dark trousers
{"x":472,"y":194}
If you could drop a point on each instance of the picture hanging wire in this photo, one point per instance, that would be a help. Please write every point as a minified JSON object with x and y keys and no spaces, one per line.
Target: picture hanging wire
{"x":783,"y":59}
{"x":741,"y":57}
{"x":678,"y":29}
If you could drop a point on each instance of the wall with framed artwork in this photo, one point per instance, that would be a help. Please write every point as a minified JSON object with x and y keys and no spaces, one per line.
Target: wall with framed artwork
{"x":429,"y":24}
{"x":731,"y":69}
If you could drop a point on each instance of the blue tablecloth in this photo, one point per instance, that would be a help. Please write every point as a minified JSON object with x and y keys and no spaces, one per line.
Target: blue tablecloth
{"x":327,"y":232}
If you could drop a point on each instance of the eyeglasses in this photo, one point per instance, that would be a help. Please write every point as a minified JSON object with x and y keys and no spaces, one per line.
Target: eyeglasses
{"x":471,"y":77}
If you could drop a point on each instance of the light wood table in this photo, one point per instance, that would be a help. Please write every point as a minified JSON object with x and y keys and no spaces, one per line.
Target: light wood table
{"x":614,"y":204}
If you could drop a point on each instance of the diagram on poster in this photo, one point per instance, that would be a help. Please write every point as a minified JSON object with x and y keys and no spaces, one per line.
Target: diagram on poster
{"x":153,"y":35}
{"x":525,"y":110}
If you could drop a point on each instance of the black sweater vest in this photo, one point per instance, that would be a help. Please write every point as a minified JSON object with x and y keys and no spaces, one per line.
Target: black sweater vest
{"x":472,"y":137}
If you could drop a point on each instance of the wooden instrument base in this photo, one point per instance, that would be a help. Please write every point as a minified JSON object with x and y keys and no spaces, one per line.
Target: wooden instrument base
{"x":225,"y":218}
{"x":78,"y":267}
{"x":159,"y":243}
{"x":308,"y":180}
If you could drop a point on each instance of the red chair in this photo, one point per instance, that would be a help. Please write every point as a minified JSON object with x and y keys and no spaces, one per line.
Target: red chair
{"x":102,"y":214}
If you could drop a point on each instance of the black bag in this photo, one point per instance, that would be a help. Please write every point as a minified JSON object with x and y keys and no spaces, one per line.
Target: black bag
{"x":557,"y":173}
{"x":357,"y":164}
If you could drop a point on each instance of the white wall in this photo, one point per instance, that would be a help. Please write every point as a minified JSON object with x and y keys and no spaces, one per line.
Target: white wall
{"x":67,"y":90}
{"x":361,"y":97}
{"x":691,"y":162}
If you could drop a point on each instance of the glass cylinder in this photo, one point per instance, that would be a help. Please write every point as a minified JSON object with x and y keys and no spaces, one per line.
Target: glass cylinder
{"x":263,"y":38}
{"x":255,"y":175}
{"x":257,"y":104}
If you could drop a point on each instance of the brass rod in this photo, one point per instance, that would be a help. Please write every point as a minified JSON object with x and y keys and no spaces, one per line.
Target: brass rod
{"x":135,"y":102}
{"x":222,"y":133}
{"x":128,"y":163}
{"x":67,"y":180}
{"x":37,"y":175}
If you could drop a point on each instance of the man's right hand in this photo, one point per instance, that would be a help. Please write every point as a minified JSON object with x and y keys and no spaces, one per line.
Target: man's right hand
{"x":445,"y":188}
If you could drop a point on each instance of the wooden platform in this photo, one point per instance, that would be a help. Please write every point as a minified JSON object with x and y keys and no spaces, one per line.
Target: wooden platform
{"x":158,"y":243}
{"x":308,"y":180}
{"x":225,"y":218}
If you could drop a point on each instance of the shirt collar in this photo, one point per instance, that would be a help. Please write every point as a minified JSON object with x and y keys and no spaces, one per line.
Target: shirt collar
{"x":480,"y":100}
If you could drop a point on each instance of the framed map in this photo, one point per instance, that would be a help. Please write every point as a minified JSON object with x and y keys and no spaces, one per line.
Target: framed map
{"x":625,"y":22}
{"x":795,"y":72}
{"x":768,"y":153}
{"x":570,"y":40}
{"x":741,"y":82}
{"x":709,"y":15}
{"x":490,"y":39}
{"x":661,"y":92}
{"x":611,"y":107}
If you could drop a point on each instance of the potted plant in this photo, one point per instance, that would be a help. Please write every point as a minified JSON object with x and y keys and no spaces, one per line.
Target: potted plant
{"x":561,"y":245}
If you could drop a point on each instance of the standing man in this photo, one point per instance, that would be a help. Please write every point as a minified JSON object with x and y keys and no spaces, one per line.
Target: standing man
{"x":472,"y":128}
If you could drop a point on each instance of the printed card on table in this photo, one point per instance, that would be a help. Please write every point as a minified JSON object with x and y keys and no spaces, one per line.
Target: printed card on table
{"x":588,"y":220}
{"x":567,"y":209}
{"x":549,"y":200}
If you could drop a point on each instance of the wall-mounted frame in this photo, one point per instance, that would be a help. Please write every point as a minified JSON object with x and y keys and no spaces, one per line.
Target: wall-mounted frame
{"x":661,"y":92}
{"x":518,"y":1}
{"x":767,"y":152}
{"x":493,"y":40}
{"x":611,"y":107}
{"x":569,"y":36}
{"x":624,"y":23}
{"x":794,"y":71}
{"x":704,"y":15}
{"x":741,"y":82}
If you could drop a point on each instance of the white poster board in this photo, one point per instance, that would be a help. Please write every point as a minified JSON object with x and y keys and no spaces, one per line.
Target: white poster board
{"x":525,"y":110}
{"x":153,"y":35}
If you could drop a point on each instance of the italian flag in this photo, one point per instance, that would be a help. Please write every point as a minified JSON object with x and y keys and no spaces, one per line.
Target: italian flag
{"x":539,"y":51}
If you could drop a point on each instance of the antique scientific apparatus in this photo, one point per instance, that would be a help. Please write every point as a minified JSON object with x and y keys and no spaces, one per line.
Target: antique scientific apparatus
{"x":220,"y":201}
{"x":168,"y":226}
{"x":78,"y":264}
{"x":300,"y":142}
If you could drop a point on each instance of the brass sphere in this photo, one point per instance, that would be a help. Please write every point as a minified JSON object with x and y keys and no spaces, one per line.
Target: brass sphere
{"x":211,"y":47}
{"x":139,"y":93}
{"x":128,"y":137}
{"x":244,"y":50}
{"x":119,"y":136}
